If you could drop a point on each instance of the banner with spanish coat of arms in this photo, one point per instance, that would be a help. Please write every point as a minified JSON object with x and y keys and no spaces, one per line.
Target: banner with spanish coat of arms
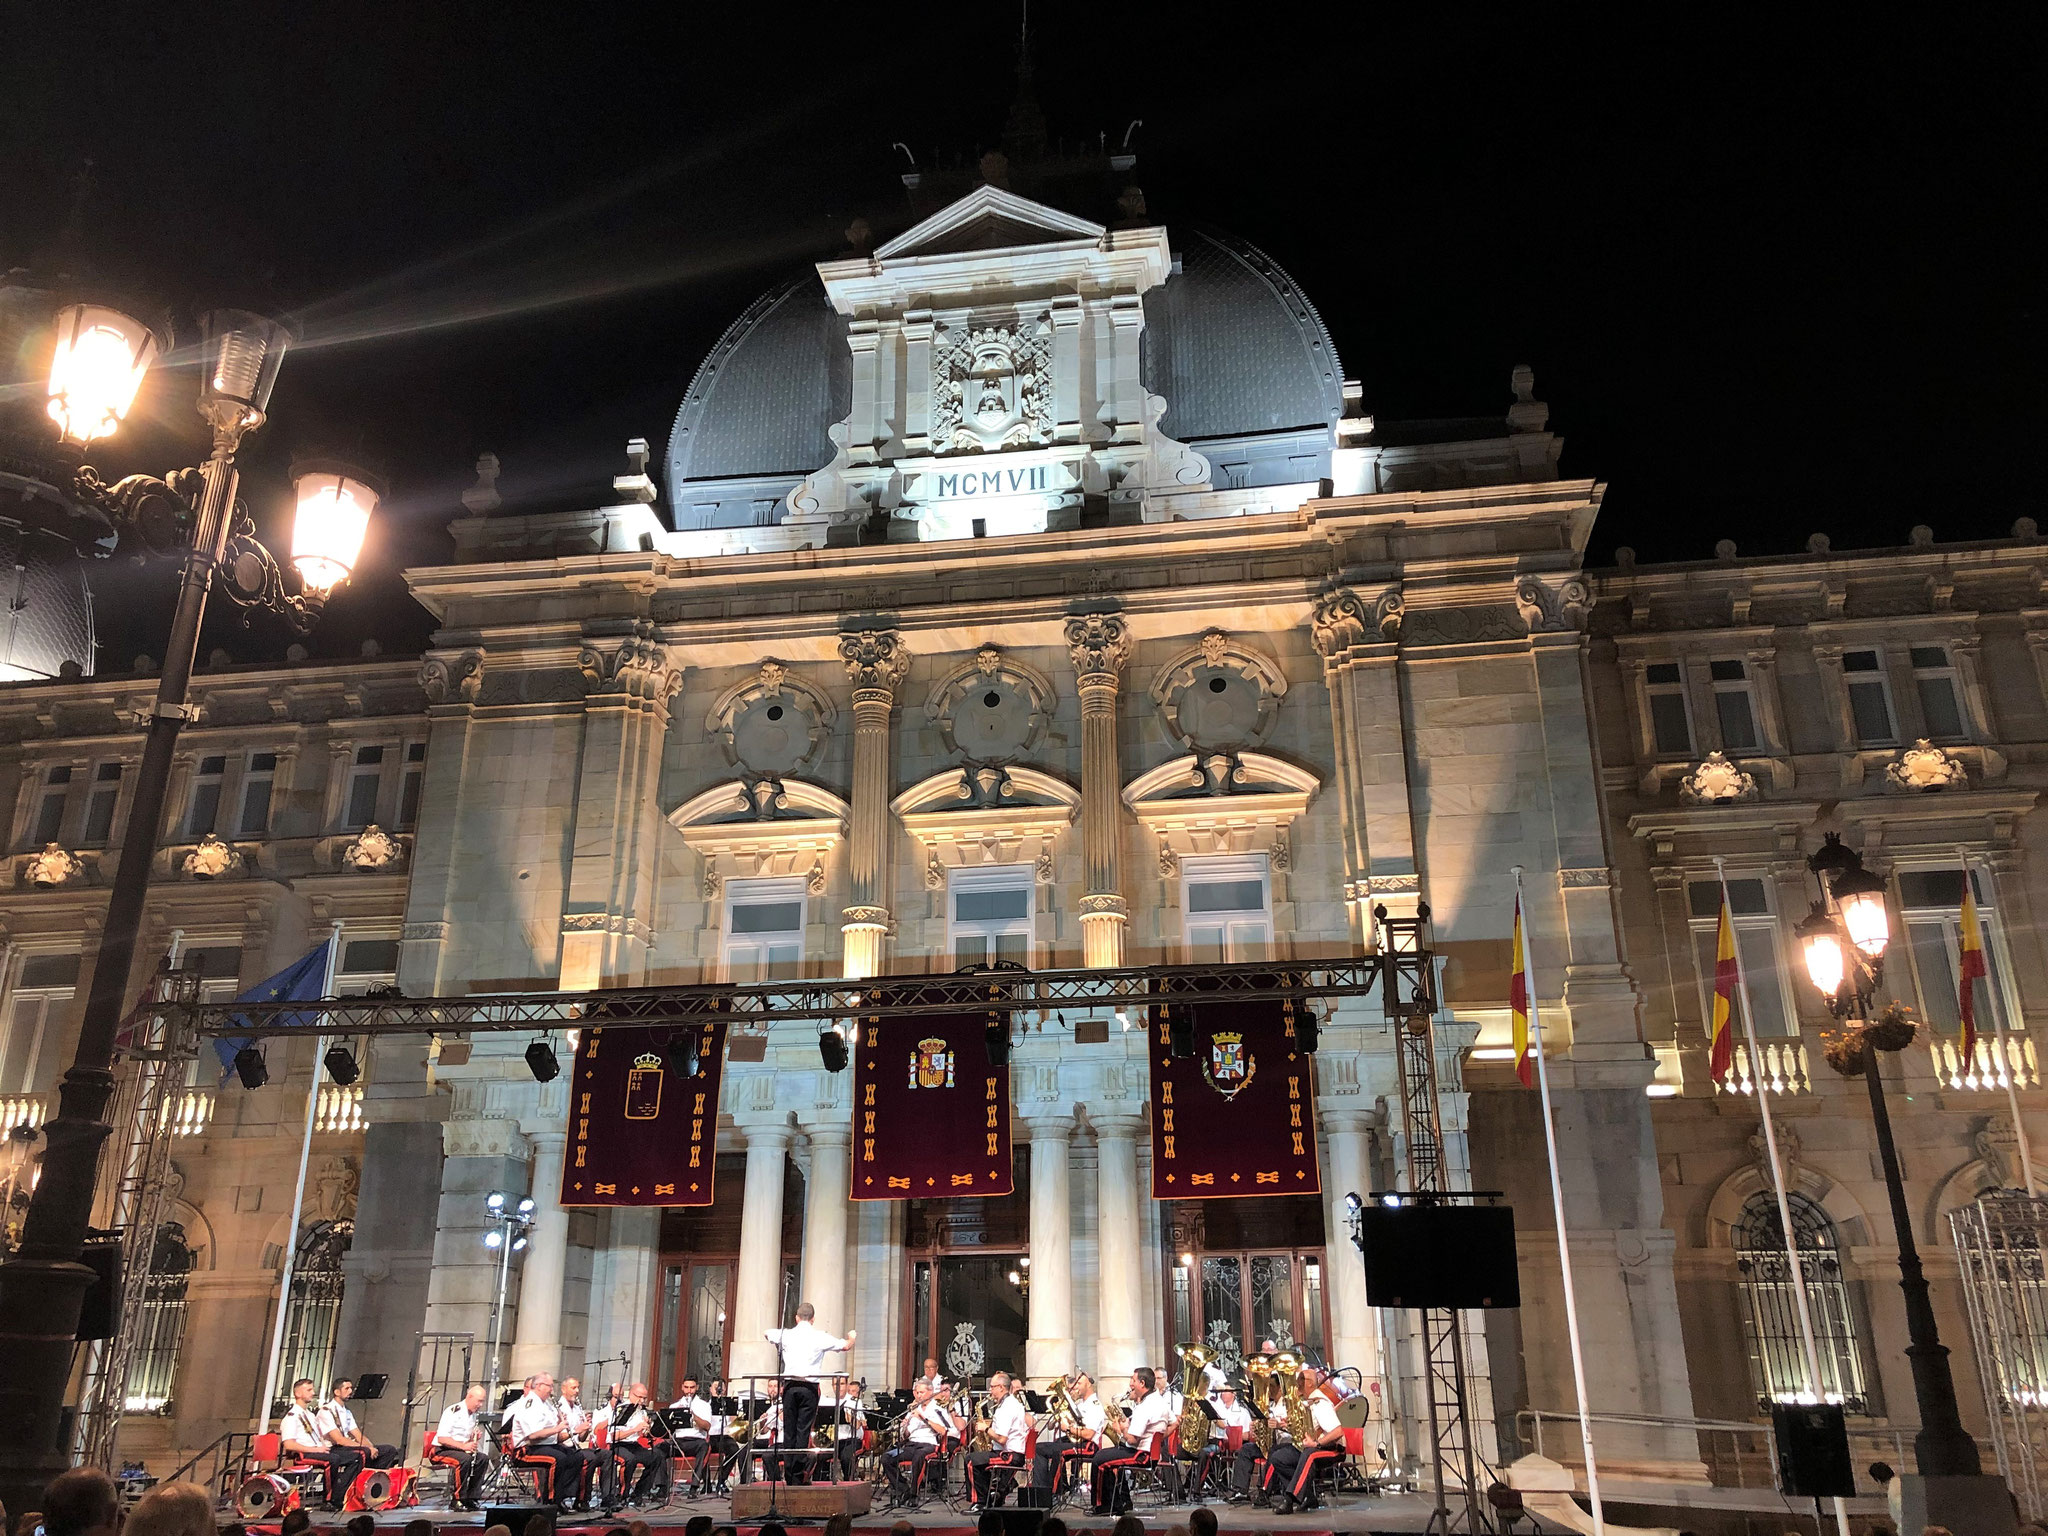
{"x":642,"y":1131}
{"x":1238,"y":1117}
{"x":931,"y":1117}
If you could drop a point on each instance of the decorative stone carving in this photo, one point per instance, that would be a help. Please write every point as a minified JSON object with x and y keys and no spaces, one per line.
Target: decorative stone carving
{"x":773,"y":724}
{"x":1041,"y":868}
{"x":815,"y":881}
{"x":1925,"y":768}
{"x":934,"y":871}
{"x":714,"y":884}
{"x":1283,"y":851}
{"x":1789,"y":1152}
{"x":993,"y":709}
{"x":212,"y":859}
{"x":1716,"y":781}
{"x":452,"y":679}
{"x":336,"y":1186}
{"x":54,"y":866}
{"x":1218,"y":695}
{"x":1547,"y":608}
{"x":876,"y":661}
{"x":1219,"y":771}
{"x":635,"y":665}
{"x":991,"y":386}
{"x":764,"y":797}
{"x":1343,"y":619}
{"x":1169,"y":862}
{"x":373,"y":849}
{"x":1098,"y":643}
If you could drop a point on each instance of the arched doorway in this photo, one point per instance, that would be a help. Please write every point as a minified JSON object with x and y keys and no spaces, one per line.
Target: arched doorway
{"x":1770,"y":1317}
{"x":160,"y":1327}
{"x":314,"y":1310}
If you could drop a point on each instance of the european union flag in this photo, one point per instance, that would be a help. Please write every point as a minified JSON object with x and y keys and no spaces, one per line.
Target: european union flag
{"x":301,"y":981}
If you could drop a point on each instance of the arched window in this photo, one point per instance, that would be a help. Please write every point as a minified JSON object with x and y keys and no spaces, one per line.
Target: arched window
{"x":161,"y":1327}
{"x":1777,"y":1355}
{"x":315,"y":1311}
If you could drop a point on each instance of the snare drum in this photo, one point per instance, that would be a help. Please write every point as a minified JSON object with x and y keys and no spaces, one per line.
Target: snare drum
{"x":265,"y":1496}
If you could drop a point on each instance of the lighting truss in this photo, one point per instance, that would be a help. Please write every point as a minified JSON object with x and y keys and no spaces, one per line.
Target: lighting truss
{"x":760,"y":1003}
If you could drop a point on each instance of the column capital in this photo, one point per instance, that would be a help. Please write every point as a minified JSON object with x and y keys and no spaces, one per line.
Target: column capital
{"x":1346,"y":1120}
{"x":1099,"y":644}
{"x":1050,"y":1128}
{"x":767,"y":1136}
{"x":1344,"y":619}
{"x":836,"y":1134}
{"x":631,"y":664}
{"x":876,"y":661}
{"x":452,"y":677}
{"x":1117,"y":1126}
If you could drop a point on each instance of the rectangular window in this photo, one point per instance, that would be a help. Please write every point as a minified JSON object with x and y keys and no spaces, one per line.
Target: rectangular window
{"x":256,"y":786}
{"x":1734,"y":709}
{"x":409,"y":787}
{"x":42,"y":995}
{"x":106,"y":796}
{"x":1226,"y":905}
{"x":1870,"y":701}
{"x":1756,"y":951}
{"x":1935,"y":680}
{"x":764,"y":928}
{"x":205,"y":803}
{"x":1670,"y":725}
{"x":49,"y":827}
{"x":1932,"y":906}
{"x":364,"y":783}
{"x":989,"y":913}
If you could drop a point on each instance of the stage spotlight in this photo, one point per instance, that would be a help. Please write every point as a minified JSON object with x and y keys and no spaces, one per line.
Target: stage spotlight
{"x":494,"y":1240}
{"x":249,"y":1067}
{"x":526,"y":1206}
{"x":1352,"y":1203}
{"x":832,"y":1050}
{"x":996,"y":1041}
{"x":685,"y":1052}
{"x":518,"y":1243}
{"x":341,"y":1064}
{"x":1180,"y":1032}
{"x":1308,"y":1033}
{"x":540,"y":1061}
{"x":494,"y":1202}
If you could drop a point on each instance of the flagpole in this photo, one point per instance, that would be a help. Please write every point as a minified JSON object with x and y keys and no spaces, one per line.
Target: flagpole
{"x":1814,"y":1383}
{"x":291,"y":1240}
{"x":2006,"y":1069}
{"x":1564,"y":1247}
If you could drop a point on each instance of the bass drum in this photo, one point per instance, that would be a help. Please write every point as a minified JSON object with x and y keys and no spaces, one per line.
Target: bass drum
{"x":1355,"y":1412}
{"x":265,"y":1496}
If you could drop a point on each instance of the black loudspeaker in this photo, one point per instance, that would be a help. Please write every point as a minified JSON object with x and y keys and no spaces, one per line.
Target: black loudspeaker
{"x":1032,"y":1498}
{"x":1022,"y":1522}
{"x":1813,"y":1451}
{"x":512,"y":1516}
{"x":1457,"y":1256}
{"x":100,"y":1311}
{"x":370,"y":1386}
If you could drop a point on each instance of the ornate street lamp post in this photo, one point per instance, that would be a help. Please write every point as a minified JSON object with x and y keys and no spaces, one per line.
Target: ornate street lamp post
{"x":99,"y":361}
{"x":1843,"y":941}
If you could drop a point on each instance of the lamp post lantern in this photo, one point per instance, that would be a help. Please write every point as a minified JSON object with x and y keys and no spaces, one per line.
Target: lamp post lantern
{"x":99,"y":360}
{"x":1843,"y":942}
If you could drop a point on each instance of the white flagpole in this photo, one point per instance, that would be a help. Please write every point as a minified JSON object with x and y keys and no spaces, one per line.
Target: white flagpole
{"x":1763,"y":1104}
{"x":291,"y":1241}
{"x":1564,"y":1247}
{"x":2006,"y":1069}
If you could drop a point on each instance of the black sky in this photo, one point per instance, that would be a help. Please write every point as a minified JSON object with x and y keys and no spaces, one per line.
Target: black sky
{"x":1774,"y":278}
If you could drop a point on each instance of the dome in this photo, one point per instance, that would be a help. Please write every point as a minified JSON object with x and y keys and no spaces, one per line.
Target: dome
{"x":1230,"y":342}
{"x":50,"y":617}
{"x":1235,"y":348}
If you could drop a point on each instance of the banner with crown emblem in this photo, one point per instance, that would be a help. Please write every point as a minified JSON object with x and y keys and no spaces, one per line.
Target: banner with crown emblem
{"x":931,"y":1117}
{"x":643,"y":1127}
{"x":1237,"y":1116}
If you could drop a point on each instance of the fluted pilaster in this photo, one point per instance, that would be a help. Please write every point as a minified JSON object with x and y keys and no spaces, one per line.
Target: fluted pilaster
{"x":876,"y":664}
{"x":1100,"y":644}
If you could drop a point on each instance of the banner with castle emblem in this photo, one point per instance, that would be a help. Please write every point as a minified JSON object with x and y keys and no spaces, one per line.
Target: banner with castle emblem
{"x":643,"y":1114}
{"x":1236,"y":1116}
{"x":931,"y":1117}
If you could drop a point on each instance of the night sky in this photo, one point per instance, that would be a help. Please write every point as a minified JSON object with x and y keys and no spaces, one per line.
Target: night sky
{"x":1771,"y":281}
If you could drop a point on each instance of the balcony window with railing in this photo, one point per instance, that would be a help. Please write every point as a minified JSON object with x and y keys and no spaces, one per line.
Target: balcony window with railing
{"x":1931,"y":903}
{"x":1770,"y":1316}
{"x":37,"y":1005}
{"x":314,"y":1313}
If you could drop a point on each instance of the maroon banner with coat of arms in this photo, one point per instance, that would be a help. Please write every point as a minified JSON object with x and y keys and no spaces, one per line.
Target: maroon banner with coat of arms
{"x":931,"y":1117}
{"x":642,"y":1129}
{"x":1238,"y":1116}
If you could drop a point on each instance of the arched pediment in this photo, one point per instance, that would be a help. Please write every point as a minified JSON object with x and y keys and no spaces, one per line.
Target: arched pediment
{"x":988,"y":788}
{"x":1220,"y":776}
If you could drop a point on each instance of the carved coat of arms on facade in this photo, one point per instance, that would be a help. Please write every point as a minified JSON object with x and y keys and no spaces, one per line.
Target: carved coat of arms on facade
{"x":1229,"y":1066}
{"x":965,"y":1356}
{"x":931,"y":1064}
{"x":991,"y":387}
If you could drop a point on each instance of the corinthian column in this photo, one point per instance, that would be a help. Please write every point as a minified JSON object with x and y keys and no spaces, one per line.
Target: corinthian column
{"x":1100,"y":644}
{"x":876,"y":664}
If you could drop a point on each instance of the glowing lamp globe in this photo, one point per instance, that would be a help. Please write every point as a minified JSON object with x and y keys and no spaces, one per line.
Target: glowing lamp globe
{"x":1860,"y":897}
{"x":333,"y":518}
{"x":1825,"y":962}
{"x":96,"y":370}
{"x":240,"y":355}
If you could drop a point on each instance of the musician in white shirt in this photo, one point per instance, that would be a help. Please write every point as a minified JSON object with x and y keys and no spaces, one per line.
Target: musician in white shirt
{"x":1049,"y":1460}
{"x":1290,"y":1470}
{"x":849,"y":1424}
{"x":339,"y":1422}
{"x":931,"y":1376}
{"x":804,"y":1349}
{"x":459,"y":1445}
{"x":537,"y":1432}
{"x":924,"y":1426}
{"x":638,"y":1463}
{"x":304,"y":1438}
{"x":1230,"y":1414}
{"x":1009,"y":1430}
{"x":1144,"y":1433}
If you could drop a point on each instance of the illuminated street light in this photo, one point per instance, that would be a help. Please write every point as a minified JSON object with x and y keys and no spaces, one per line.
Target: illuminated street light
{"x":96,"y":368}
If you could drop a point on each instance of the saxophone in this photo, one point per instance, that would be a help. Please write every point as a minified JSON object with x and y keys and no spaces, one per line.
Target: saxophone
{"x":1194,"y":1424}
{"x":1301,"y":1424}
{"x":981,"y":1438}
{"x":1116,"y":1420}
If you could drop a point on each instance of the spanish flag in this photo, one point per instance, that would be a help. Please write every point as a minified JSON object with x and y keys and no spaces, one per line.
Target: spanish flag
{"x":1518,"y":1000}
{"x":1721,"y":1040}
{"x":1972,"y":968}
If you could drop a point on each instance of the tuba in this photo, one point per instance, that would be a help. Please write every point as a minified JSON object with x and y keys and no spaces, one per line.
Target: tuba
{"x":1057,"y":1409}
{"x":1301,"y":1424}
{"x":1260,"y":1371}
{"x":1194,"y":1424}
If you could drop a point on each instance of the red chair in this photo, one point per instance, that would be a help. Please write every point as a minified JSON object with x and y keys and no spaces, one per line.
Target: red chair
{"x":430,"y":1458}
{"x":269,"y":1448}
{"x":538,"y":1466}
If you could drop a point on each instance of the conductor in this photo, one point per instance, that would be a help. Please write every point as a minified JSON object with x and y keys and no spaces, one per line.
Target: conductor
{"x":804,"y":1349}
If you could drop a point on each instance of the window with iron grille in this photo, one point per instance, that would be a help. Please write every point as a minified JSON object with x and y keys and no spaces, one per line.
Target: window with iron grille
{"x":1770,"y":1315}
{"x":160,"y":1328}
{"x":315,"y":1309}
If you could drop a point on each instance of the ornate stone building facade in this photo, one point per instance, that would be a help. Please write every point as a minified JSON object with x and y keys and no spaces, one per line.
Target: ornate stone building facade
{"x":1039,"y":591}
